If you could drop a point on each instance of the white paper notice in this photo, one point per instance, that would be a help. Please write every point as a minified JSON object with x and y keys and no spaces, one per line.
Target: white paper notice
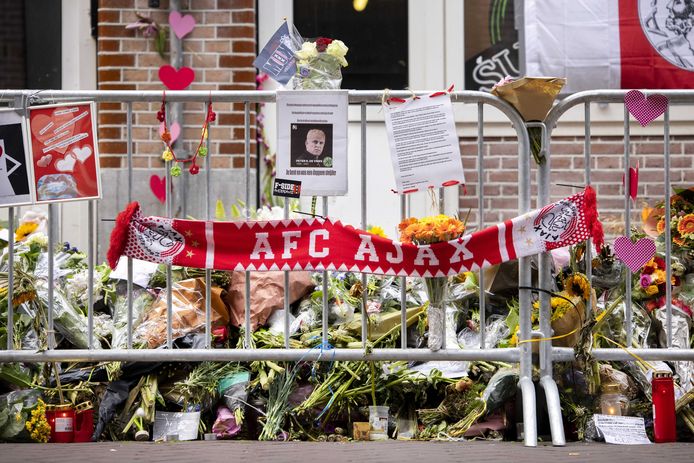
{"x":625,"y":430}
{"x":312,"y":140}
{"x":423,"y":144}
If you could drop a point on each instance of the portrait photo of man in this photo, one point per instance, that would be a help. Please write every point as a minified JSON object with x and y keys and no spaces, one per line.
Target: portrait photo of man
{"x":311,"y":145}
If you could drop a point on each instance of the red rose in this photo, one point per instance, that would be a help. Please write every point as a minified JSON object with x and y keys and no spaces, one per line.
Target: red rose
{"x":322,"y":43}
{"x":659,"y":261}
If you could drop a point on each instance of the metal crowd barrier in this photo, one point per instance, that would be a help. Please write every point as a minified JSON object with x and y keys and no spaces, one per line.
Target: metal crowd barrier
{"x":549,"y":354}
{"x":521,"y":355}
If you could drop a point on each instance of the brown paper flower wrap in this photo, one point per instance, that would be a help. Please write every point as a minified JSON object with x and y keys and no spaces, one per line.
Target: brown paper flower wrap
{"x":533,"y":98}
{"x":188,"y":311}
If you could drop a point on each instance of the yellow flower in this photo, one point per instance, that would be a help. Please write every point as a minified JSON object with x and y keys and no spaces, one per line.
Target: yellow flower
{"x":338,"y":49}
{"x":24,"y":230}
{"x":429,"y":230}
{"x":660,"y":226}
{"x":167,"y":155}
{"x":577,"y":285}
{"x":376,"y":230}
{"x":308,"y":51}
{"x":652,"y":290}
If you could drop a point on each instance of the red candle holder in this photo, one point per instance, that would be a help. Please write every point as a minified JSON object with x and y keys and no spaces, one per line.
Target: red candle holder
{"x":62,"y":421}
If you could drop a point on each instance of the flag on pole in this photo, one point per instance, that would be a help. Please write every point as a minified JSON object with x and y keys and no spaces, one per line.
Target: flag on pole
{"x":599,"y":44}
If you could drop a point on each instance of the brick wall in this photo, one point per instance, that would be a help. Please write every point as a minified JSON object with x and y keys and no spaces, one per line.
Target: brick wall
{"x":220,"y":49}
{"x":607,"y":167}
{"x":12,"y":50}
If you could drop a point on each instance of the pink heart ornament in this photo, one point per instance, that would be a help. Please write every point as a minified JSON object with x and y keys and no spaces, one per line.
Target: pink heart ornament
{"x":634,"y":255}
{"x":645,"y":109}
{"x":174,"y":130}
{"x":182,"y":25}
{"x":158,"y":186}
{"x":176,"y":79}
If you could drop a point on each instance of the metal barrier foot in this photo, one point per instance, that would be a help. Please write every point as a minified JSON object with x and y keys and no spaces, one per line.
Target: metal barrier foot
{"x":554,"y":410}
{"x":529,"y":409}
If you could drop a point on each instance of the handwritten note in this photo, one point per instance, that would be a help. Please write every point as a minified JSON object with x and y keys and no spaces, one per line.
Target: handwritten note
{"x":624,"y":430}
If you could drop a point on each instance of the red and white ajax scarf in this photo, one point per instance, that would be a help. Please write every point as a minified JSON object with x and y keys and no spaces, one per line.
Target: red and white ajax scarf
{"x":327,"y":244}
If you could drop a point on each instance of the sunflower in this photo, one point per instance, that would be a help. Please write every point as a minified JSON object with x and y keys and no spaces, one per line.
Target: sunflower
{"x":686,"y":225}
{"x":577,"y":284}
{"x":24,"y":230}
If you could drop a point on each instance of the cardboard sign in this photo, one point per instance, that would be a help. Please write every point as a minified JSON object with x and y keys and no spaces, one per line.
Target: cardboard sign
{"x":64,"y":152}
{"x":276,"y":59}
{"x":287,"y":188}
{"x":15,"y":168}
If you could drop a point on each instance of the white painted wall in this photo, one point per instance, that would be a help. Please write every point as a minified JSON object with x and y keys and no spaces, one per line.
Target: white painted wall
{"x":78,"y":73}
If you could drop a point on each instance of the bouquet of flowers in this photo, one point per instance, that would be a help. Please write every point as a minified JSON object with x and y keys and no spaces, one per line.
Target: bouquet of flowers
{"x":426,"y":231}
{"x":650,"y":287}
{"x":319,"y":64}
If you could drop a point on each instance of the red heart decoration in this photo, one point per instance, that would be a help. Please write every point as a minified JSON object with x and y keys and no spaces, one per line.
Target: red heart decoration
{"x":633,"y":181}
{"x":40,"y":122}
{"x":176,"y":79}
{"x":158,"y":186}
{"x":634,"y":255}
{"x":645,"y":110}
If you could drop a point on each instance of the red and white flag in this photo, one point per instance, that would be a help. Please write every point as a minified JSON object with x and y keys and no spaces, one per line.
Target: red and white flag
{"x":611,"y":43}
{"x":326,"y":244}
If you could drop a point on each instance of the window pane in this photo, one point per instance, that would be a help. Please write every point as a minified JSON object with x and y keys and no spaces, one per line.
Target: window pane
{"x":376,"y":37}
{"x":491,"y":43}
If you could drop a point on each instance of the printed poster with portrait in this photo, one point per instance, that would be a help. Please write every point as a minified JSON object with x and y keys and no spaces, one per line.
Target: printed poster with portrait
{"x":64,"y":152}
{"x":15,"y":166}
{"x":312,"y":140}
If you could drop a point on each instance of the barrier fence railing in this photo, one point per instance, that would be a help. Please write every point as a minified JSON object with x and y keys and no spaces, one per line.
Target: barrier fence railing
{"x":550,"y":354}
{"x":20,"y":100}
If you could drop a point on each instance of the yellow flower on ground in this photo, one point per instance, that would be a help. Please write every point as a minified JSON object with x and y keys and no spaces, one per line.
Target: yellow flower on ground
{"x":24,"y":230}
{"x":686,"y":225}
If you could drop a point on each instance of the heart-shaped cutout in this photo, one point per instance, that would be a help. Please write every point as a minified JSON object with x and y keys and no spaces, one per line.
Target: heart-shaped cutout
{"x":45,"y":161}
{"x":82,"y":154}
{"x":43,"y":128}
{"x":66,"y":165}
{"x":182,"y":25}
{"x":158,"y":186}
{"x":633,"y":181}
{"x":645,"y":110}
{"x":176,"y":79}
{"x":634,"y":255}
{"x":174,"y":130}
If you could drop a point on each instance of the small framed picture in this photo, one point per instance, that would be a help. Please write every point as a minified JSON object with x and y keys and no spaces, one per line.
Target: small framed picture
{"x":15,"y":163}
{"x":64,"y":152}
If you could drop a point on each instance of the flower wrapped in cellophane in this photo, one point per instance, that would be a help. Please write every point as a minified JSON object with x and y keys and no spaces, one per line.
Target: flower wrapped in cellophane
{"x":426,"y":231}
{"x":319,"y":64}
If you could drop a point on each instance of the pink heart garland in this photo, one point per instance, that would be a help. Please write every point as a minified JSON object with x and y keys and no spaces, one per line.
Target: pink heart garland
{"x":633,"y":181}
{"x":158,"y":186}
{"x":174,"y":130}
{"x":182,"y":25}
{"x":645,"y":110}
{"x":634,"y":255}
{"x":176,"y":79}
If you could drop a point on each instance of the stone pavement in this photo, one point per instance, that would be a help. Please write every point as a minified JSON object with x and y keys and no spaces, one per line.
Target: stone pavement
{"x":332,"y":452}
